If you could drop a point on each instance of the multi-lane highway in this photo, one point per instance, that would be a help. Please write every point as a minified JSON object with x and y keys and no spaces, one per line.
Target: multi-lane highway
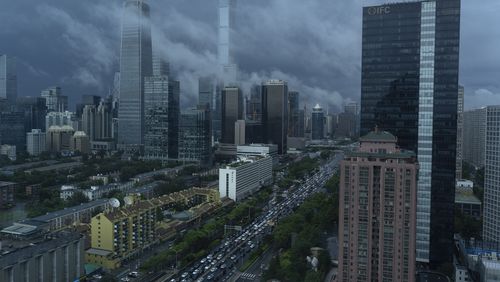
{"x":220,"y":263}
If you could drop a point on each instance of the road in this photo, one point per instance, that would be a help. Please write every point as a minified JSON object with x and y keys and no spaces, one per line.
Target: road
{"x":219,"y":265}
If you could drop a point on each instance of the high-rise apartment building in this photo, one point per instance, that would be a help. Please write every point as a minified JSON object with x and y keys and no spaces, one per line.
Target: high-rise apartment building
{"x":136,"y":63}
{"x":409,"y":87}
{"x":377,"y":211}
{"x":295,"y":122}
{"x":161,"y":140}
{"x":54,"y":100}
{"x":8,"y":79}
{"x":317,"y":123}
{"x":60,"y":119}
{"x":89,"y":123}
{"x":87,"y":100}
{"x":474,"y":137}
{"x":232,"y":110}
{"x":491,"y":221}
{"x":35,"y":142}
{"x":460,"y":132}
{"x":195,"y":136}
{"x":275,"y":113}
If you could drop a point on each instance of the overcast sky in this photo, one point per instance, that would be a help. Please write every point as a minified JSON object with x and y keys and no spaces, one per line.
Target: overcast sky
{"x":313,"y":44}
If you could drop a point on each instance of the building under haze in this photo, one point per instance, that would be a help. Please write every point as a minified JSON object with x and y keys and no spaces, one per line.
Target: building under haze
{"x":225,"y":44}
{"x":232,"y":110}
{"x":317,"y":123}
{"x":161,"y":141}
{"x":295,"y":123}
{"x":377,"y":211}
{"x":8,"y":79}
{"x":35,"y":142}
{"x":34,"y":110}
{"x":12,"y":131}
{"x":474,"y":137}
{"x":410,"y":56}
{"x":54,"y":100}
{"x":275,"y":113}
{"x":491,"y":221}
{"x":135,"y":64}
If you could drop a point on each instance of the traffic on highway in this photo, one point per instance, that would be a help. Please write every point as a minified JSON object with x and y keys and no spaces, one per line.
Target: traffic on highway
{"x":220,"y":264}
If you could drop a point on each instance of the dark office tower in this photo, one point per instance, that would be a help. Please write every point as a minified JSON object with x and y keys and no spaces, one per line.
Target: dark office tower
{"x":135,"y":65}
{"x":54,"y":100}
{"x":161,"y":141}
{"x":87,"y":100}
{"x":34,"y":110}
{"x":275,"y":113}
{"x":232,"y":110}
{"x":293,"y":114}
{"x":195,"y":142}
{"x":12,"y":130}
{"x":8,"y":79}
{"x":254,"y":104}
{"x":409,"y":88}
{"x":317,"y":123}
{"x":206,"y":92}
{"x":89,"y":121}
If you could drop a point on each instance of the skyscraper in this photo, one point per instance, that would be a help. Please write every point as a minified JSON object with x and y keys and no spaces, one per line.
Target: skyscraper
{"x":161,"y":118}
{"x":89,"y":121}
{"x":275,"y":113}
{"x":54,"y":100}
{"x":254,"y":104}
{"x":8,"y":79}
{"x":206,"y":92}
{"x":474,"y":136}
{"x":460,"y":132}
{"x":225,"y":41}
{"x":409,"y":87}
{"x":35,"y":142}
{"x":12,"y":131}
{"x":318,"y":123}
{"x":232,"y":110}
{"x":491,"y":221}
{"x":34,"y":109}
{"x":377,"y":212}
{"x":135,"y":65}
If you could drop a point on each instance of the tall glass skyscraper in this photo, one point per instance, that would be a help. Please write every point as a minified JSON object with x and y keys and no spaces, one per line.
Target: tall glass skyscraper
{"x":8,"y":79}
{"x":232,"y":110}
{"x":225,"y":50}
{"x":317,"y":123}
{"x":136,"y":63}
{"x":409,"y":87}
{"x":275,"y":113}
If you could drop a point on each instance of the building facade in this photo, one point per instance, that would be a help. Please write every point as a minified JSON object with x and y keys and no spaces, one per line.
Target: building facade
{"x":491,"y":221}
{"x":60,"y":119}
{"x":460,"y":132}
{"x":12,"y":131}
{"x":232,"y":111}
{"x":474,"y":132}
{"x":161,"y":140}
{"x":7,"y":194}
{"x":136,"y":63}
{"x":59,"y":138}
{"x":377,"y":212}
{"x":34,"y":110}
{"x":416,"y":100}
{"x":195,"y":136}
{"x":317,"y":123}
{"x":241,"y":179}
{"x":36,"y":142}
{"x":54,"y":100}
{"x":275,"y":113}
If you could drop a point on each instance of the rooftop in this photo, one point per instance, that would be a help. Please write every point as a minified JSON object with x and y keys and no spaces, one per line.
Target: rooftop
{"x":466,"y":198}
{"x":52,"y":215}
{"x":4,"y":183}
{"x":378,"y":136}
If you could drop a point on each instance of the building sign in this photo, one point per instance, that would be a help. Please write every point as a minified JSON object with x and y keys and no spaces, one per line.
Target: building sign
{"x":372,"y":11}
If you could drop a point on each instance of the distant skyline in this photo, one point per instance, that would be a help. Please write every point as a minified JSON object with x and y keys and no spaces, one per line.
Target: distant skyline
{"x":314,"y":45}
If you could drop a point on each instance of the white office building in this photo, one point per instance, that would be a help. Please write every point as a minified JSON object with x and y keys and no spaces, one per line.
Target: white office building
{"x":240,"y":179}
{"x":35,"y":142}
{"x":60,"y":119}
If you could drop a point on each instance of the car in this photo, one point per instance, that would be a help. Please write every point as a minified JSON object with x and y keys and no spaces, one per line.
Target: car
{"x":97,"y":276}
{"x":125,"y":279}
{"x":133,"y":274}
{"x":233,"y":257}
{"x":184,"y":275}
{"x":203,"y":260}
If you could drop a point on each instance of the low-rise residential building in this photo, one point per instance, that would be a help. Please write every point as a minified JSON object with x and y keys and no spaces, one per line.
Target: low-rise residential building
{"x":7,"y":194}
{"x":240,"y":179}
{"x":58,"y":257}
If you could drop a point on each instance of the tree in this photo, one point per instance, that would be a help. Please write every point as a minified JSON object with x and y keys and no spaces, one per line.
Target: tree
{"x":77,"y":198}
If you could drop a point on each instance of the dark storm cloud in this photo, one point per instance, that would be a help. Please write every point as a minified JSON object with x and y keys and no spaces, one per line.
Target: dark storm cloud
{"x":314,"y":45}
